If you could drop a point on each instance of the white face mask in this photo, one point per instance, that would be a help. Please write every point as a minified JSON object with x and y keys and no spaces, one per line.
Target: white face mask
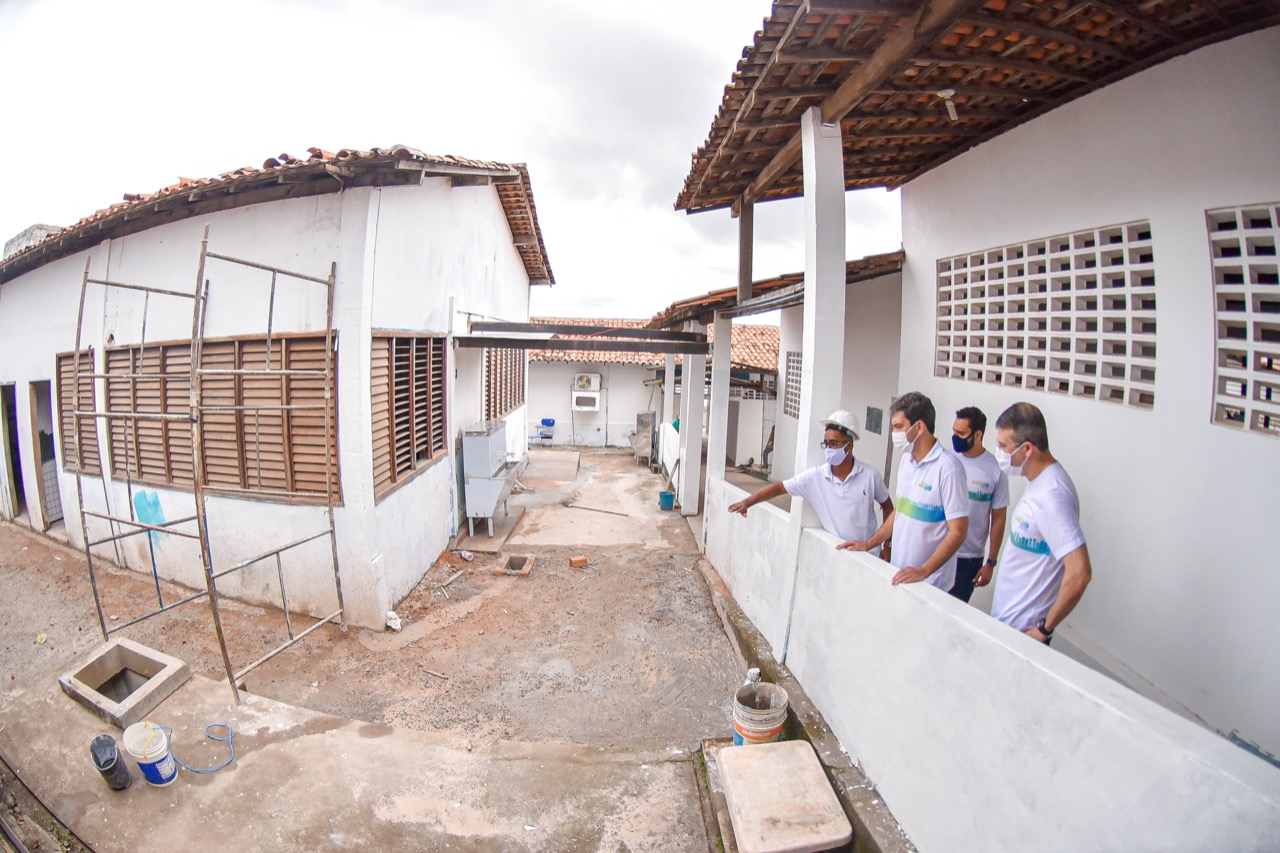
{"x":836,"y":455}
{"x":1005,"y":460}
{"x":900,"y":439}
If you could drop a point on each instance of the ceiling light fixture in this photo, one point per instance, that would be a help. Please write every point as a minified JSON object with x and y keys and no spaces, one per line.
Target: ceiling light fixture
{"x":947,"y":96}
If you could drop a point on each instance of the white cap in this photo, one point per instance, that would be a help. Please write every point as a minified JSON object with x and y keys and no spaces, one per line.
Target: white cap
{"x":842,"y":420}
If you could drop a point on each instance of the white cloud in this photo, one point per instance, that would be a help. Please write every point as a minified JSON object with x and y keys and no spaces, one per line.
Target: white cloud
{"x":605,"y":102}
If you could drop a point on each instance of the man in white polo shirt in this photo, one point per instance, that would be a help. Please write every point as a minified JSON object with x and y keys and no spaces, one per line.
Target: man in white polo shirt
{"x":1046,"y":566}
{"x":931,"y":518}
{"x":844,"y":491}
{"x":988,"y":489}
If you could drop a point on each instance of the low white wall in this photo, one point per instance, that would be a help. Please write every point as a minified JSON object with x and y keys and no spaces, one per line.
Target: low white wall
{"x":753,"y":557}
{"x":977,"y":737}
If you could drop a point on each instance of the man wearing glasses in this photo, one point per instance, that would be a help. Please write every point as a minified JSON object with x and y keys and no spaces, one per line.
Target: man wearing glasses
{"x":844,"y":491}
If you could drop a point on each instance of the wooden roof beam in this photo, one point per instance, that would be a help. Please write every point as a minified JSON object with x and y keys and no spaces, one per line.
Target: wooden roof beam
{"x":1027,"y":28}
{"x":1140,"y":20}
{"x":1003,"y":63}
{"x":748,"y":102}
{"x":915,"y":33}
{"x":861,"y":7}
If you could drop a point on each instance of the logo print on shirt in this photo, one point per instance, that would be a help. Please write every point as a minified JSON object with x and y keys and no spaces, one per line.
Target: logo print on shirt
{"x":921,"y":512}
{"x":1027,"y":543}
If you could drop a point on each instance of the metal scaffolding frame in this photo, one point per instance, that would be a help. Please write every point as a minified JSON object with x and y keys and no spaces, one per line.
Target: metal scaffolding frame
{"x":123,"y":527}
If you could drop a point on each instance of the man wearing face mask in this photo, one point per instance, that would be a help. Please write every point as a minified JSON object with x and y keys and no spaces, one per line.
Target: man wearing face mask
{"x":988,"y":489}
{"x":931,"y":518}
{"x":1046,"y":567}
{"x":843,"y":491}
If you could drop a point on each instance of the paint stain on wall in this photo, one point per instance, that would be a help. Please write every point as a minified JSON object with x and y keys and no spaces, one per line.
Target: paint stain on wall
{"x":146,"y":504}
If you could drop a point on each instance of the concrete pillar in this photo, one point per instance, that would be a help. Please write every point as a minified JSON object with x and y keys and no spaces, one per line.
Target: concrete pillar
{"x":822,"y":351}
{"x":824,"y":281}
{"x":692,"y":390}
{"x":717,"y":438}
{"x":669,"y":389}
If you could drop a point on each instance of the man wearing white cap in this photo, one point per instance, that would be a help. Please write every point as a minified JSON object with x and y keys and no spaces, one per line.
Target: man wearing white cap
{"x":844,"y":491}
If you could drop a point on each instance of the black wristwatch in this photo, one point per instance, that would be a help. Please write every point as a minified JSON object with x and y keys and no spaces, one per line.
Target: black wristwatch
{"x":991,"y":563}
{"x":1042,"y":629}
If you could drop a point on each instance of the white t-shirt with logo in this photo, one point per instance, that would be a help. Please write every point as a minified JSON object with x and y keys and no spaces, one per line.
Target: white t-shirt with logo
{"x":930,"y":493}
{"x":846,"y":509}
{"x":1044,"y":528}
{"x":988,"y":489}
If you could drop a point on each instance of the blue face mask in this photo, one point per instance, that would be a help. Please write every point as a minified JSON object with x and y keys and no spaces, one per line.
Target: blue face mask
{"x":836,"y":456}
{"x":962,"y":445}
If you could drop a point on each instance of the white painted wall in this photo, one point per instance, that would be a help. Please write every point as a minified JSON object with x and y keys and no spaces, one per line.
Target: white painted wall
{"x":402,"y":254}
{"x":1176,"y":510}
{"x":747,"y":436}
{"x":871,"y":360}
{"x":977,"y":737}
{"x":624,"y":396}
{"x":790,"y":339}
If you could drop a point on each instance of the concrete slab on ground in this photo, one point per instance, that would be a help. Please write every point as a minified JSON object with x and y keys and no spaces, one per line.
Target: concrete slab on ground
{"x":304,"y":781}
{"x":503,"y":525}
{"x":780,"y":800}
{"x":556,"y":465}
{"x":610,"y":509}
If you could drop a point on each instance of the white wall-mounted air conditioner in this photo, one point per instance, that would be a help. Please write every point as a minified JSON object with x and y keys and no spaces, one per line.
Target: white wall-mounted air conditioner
{"x":586,"y":401}
{"x":586,"y":382}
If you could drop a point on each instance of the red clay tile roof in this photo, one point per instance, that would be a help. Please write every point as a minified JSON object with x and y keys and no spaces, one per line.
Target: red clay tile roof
{"x":754,"y":347}
{"x":291,"y":177}
{"x":702,"y":308}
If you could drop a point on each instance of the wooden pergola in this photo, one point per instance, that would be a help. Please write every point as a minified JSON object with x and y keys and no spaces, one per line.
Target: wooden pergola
{"x":914,"y":84}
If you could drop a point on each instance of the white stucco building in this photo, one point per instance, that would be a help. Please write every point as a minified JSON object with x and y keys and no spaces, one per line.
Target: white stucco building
{"x":633,"y":382}
{"x":1093,"y":231}
{"x":416,"y":245}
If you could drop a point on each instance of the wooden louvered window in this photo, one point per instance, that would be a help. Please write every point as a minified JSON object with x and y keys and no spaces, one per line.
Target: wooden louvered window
{"x":68,"y":402}
{"x":407,"y":383}
{"x":504,"y":382}
{"x":251,"y":443}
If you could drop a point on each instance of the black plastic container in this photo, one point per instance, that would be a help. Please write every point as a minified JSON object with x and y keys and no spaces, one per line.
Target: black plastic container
{"x":107,"y":758}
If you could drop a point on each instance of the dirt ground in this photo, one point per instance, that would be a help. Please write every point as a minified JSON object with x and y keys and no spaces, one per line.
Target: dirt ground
{"x":627,"y":653}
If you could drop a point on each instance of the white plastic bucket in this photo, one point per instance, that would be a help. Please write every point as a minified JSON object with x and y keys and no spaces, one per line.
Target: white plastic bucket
{"x":149,"y":746}
{"x":759,"y":712}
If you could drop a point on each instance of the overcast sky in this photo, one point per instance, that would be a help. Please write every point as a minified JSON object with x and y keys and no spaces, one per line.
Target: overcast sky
{"x":605,"y":101}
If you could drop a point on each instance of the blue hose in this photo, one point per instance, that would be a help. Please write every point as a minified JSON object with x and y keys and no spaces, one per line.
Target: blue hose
{"x":209,"y":734}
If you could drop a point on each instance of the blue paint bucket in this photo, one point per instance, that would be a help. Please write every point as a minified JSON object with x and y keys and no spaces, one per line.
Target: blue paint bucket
{"x":666,"y":500}
{"x":149,"y":746}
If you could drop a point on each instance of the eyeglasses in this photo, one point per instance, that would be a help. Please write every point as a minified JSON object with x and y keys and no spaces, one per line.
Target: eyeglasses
{"x":832,"y":445}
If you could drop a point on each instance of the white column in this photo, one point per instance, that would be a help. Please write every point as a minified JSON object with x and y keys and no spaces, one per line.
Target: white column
{"x":669,"y":389}
{"x":824,"y":290}
{"x":824,"y":281}
{"x":717,"y":429}
{"x":692,"y":391}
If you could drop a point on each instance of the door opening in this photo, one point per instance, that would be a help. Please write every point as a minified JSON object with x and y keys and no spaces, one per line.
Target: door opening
{"x":42,"y":440}
{"x":17,"y":504}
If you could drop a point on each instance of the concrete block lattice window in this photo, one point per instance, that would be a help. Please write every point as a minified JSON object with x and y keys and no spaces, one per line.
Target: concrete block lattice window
{"x":504,"y":382}
{"x":1073,"y":314}
{"x":791,"y":388}
{"x":407,"y":383}
{"x":69,"y":401}
{"x":1246,"y":289}
{"x":260,"y":452}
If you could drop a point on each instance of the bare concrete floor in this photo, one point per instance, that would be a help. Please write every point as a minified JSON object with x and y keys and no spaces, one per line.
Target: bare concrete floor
{"x":625,"y":663}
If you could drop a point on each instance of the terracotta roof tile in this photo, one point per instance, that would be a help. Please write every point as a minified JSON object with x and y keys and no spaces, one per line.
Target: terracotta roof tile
{"x":754,"y":347}
{"x":286,"y":176}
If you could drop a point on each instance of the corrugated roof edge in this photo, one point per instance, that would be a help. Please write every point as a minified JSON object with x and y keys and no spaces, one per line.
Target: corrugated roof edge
{"x":285,"y":177}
